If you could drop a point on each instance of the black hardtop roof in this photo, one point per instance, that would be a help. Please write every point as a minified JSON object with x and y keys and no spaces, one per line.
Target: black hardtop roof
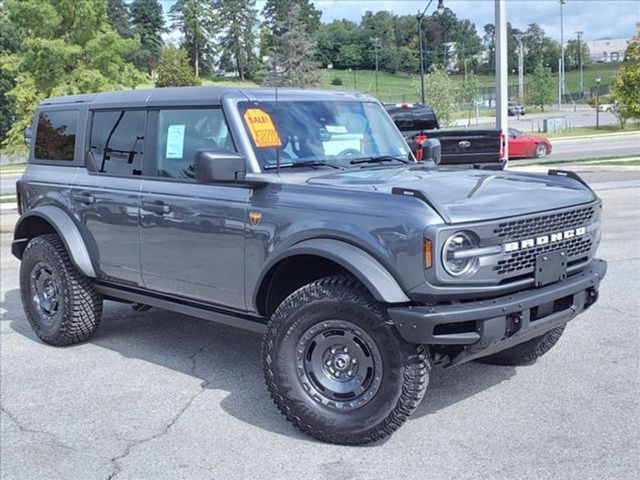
{"x":185,"y":96}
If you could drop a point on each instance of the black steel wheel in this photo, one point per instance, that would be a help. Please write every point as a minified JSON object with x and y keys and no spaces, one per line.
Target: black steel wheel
{"x":339,"y":364}
{"x":337,"y":368}
{"x":60,"y":303}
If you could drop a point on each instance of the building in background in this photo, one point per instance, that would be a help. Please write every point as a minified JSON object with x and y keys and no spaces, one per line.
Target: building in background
{"x":607,"y":50}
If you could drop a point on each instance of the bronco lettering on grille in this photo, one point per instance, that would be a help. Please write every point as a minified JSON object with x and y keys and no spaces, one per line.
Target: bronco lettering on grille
{"x":544,"y":239}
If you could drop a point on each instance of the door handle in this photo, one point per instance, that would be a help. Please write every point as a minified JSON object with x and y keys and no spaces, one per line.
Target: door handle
{"x":160,"y":208}
{"x":84,"y":198}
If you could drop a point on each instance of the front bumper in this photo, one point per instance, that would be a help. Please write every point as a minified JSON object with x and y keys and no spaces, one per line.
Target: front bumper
{"x":489,"y":326}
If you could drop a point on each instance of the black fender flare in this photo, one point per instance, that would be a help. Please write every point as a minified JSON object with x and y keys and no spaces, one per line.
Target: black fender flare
{"x":66,"y":229}
{"x":373,"y":275}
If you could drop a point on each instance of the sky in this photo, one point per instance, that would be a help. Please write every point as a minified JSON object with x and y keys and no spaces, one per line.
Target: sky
{"x":597,"y":18}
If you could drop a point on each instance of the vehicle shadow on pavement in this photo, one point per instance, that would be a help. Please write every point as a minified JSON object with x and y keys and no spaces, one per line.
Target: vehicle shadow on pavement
{"x":228,"y":359}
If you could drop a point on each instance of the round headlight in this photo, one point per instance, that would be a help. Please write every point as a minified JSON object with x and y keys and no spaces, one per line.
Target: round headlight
{"x":463,"y":265}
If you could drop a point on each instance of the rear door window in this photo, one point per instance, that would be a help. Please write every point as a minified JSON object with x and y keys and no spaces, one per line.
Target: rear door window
{"x":56,"y":135}
{"x":117,"y":141}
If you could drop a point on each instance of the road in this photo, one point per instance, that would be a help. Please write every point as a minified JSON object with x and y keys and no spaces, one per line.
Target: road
{"x":609,"y":146}
{"x":156,"y":395}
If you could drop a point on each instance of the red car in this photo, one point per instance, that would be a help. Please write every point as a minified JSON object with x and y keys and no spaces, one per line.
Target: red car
{"x":524,"y":146}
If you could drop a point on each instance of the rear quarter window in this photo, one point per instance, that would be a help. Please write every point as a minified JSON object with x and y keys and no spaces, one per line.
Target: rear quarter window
{"x":56,"y":135}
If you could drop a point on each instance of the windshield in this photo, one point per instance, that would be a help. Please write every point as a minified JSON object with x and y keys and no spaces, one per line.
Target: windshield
{"x":315,"y":133}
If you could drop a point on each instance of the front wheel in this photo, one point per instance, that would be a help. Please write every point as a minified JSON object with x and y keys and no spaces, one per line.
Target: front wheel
{"x":336,"y":367}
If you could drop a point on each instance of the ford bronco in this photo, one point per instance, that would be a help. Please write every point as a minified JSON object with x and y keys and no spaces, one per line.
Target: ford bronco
{"x":302,"y":215}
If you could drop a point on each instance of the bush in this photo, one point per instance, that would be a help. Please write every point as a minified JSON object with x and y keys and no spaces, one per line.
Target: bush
{"x":336,"y":81}
{"x":174,"y":69}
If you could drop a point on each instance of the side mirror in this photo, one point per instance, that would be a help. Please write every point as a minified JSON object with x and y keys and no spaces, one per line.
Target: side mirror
{"x":27,"y":136}
{"x":219,"y":165}
{"x":432,"y":151}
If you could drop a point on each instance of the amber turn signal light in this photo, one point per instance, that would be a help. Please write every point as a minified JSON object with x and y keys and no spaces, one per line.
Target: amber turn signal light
{"x":428,"y":254}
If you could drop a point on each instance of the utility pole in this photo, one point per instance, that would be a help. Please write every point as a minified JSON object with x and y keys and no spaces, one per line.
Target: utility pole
{"x":559,"y":84}
{"x":519,"y":37}
{"x":598,"y":79}
{"x":502,"y":93}
{"x":562,"y":2}
{"x":419,"y":17}
{"x":579,"y":34}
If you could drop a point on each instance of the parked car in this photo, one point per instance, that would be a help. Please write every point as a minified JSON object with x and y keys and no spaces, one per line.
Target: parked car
{"x":459,"y":147}
{"x":306,"y":218}
{"x":515,"y":110}
{"x":526,"y":146}
{"x":606,"y":107}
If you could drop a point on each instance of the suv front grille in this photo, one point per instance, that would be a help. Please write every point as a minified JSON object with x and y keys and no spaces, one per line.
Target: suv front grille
{"x":524,"y":260}
{"x":530,"y":227}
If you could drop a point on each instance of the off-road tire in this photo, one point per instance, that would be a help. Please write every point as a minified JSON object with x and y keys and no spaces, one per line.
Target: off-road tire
{"x":541,"y":151}
{"x":526,"y":353}
{"x":79,"y":307}
{"x":405,"y":367}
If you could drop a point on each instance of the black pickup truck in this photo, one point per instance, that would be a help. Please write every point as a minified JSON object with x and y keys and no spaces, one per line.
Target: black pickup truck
{"x":460,"y":147}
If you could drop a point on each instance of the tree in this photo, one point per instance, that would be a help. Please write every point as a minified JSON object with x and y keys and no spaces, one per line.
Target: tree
{"x":379,"y":25}
{"x":469,"y":92}
{"x":9,"y":44}
{"x":626,"y":83}
{"x":119,"y":18}
{"x":148,"y":22}
{"x":539,"y":49}
{"x":174,"y":69}
{"x":438,"y":89}
{"x":331,"y":37}
{"x":572,"y":52}
{"x":66,"y":47}
{"x":292,"y":62}
{"x":349,"y":56}
{"x":541,"y":86}
{"x":277,"y":12}
{"x":238,"y":37}
{"x":468,"y":43}
{"x":198,"y":21}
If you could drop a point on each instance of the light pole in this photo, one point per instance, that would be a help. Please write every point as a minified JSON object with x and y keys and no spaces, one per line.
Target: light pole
{"x":579,"y":34}
{"x":562,"y":2}
{"x":502,"y":120}
{"x":419,"y":17}
{"x":519,"y":37}
{"x":375,"y":45}
{"x":598,"y":80}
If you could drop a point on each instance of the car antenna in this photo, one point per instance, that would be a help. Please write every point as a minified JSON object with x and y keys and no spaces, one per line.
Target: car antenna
{"x":276,"y":129}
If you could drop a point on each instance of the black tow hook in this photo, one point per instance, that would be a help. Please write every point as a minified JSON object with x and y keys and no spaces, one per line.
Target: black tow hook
{"x":514,"y":323}
{"x":592,"y":297}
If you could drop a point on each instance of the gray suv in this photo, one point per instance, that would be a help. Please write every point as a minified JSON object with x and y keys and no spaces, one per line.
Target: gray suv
{"x":302,"y":215}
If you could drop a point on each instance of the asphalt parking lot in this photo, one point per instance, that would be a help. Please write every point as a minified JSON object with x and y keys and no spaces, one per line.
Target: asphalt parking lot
{"x":156,"y":395}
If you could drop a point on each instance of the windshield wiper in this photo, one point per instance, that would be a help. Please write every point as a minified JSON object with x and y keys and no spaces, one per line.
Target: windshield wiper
{"x":379,"y":159}
{"x":307,"y":163}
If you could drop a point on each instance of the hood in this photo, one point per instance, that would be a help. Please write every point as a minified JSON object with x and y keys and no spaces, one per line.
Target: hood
{"x":467,"y":195}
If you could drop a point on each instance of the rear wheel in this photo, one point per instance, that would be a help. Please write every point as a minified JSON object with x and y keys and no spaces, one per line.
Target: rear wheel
{"x":335,"y":366}
{"x":60,"y":302}
{"x":528,"y":352}
{"x":541,"y":150}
